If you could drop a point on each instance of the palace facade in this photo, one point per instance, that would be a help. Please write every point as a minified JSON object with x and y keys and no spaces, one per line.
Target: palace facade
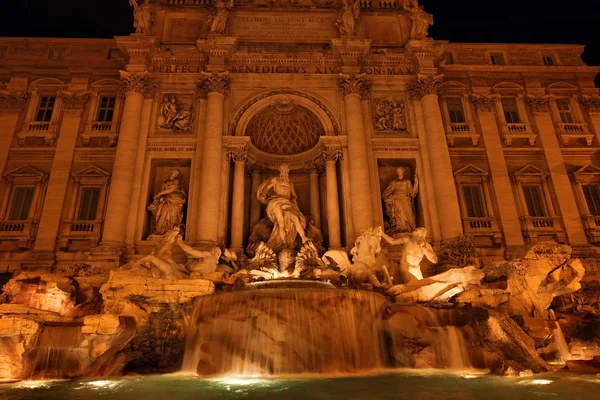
{"x":500,"y":142}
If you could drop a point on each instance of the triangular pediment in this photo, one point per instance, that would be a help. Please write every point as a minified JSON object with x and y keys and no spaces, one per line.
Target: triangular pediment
{"x":587,"y":170}
{"x":25,"y":171}
{"x":91,"y":172}
{"x":530,"y":170}
{"x":470,"y":170}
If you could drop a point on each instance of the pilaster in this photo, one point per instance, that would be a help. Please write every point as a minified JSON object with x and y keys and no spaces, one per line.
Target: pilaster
{"x":11,"y":105}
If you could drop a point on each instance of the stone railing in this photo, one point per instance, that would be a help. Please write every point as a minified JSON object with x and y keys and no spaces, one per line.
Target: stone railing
{"x":544,"y":228}
{"x":520,"y":130}
{"x":82,"y":231}
{"x":516,"y":128}
{"x":36,"y":126}
{"x":198,"y":2}
{"x":102,"y":126}
{"x":592,"y":227}
{"x":389,"y":4}
{"x":478,"y":223}
{"x":460,"y":127}
{"x":18,"y":230}
{"x":483,"y":227}
{"x":38,"y":129}
{"x":456,"y":130}
{"x":573,"y":128}
{"x":574,"y":131}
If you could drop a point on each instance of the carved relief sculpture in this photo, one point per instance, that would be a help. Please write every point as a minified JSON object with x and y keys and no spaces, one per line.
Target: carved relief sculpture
{"x":282,"y":209}
{"x":219,"y":16}
{"x":421,"y":20}
{"x":167,"y":206}
{"x":346,"y":20}
{"x":399,"y":202}
{"x":142,"y":16}
{"x":174,"y":116}
{"x":389,"y":115}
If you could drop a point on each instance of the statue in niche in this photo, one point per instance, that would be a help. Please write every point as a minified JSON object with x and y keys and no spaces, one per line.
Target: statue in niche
{"x":219,"y":15}
{"x":142,"y":16}
{"x":399,"y":202}
{"x":282,"y":209}
{"x":415,"y":249}
{"x":346,"y":20}
{"x":389,"y":116}
{"x":167,"y":206}
{"x":421,"y":20}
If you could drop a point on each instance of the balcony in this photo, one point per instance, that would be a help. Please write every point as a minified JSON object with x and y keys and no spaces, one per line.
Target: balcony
{"x":518,"y":131}
{"x":543,"y":228}
{"x":592,"y":228}
{"x":82,"y":231}
{"x":100,"y":130}
{"x":483,"y":227}
{"x":574,"y":131}
{"x":44,"y":129}
{"x":465,"y":130}
{"x":22,"y":231}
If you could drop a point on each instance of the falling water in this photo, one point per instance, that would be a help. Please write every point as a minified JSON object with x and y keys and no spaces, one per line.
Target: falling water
{"x":51,"y":357}
{"x":561,"y":343}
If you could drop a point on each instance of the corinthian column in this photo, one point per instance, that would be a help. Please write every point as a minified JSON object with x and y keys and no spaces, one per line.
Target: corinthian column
{"x":425,"y":89}
{"x":237,"y":201}
{"x":331,"y":156}
{"x":136,"y":86}
{"x":255,"y":171}
{"x":215,"y":86}
{"x":315,"y":198}
{"x":354,"y":88}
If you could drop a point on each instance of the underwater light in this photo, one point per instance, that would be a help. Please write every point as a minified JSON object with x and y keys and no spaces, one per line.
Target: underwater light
{"x":34,"y":384}
{"x":101,"y":384}
{"x":536,"y":382}
{"x":240,"y":381}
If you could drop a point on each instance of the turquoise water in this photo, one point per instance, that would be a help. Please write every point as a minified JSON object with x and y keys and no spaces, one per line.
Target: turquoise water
{"x":410,"y":386}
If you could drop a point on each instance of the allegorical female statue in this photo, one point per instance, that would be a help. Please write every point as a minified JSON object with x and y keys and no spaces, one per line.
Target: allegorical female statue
{"x":167,"y":206}
{"x":399,"y":202}
{"x":142,"y":16}
{"x":282,"y":209}
{"x":346,"y":20}
{"x":217,"y":19}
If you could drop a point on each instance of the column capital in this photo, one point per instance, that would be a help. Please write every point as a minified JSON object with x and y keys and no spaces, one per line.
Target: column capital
{"x":591,"y":103}
{"x":255,"y":169}
{"x":139,"y":82}
{"x":237,"y":156}
{"x":314,"y":169}
{"x":485,"y":102}
{"x":540,"y":102}
{"x":74,"y":101}
{"x":355,"y":83}
{"x":214,"y":82}
{"x":13,"y":100}
{"x":424,"y":85}
{"x":332,"y":155}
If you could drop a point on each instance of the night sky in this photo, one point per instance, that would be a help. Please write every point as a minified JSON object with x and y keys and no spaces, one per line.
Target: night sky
{"x":511,"y":21}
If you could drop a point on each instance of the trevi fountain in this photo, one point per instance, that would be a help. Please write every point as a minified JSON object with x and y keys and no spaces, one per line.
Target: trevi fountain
{"x":235,"y":276}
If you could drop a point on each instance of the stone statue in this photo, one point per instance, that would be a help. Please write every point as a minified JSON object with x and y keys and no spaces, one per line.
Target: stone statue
{"x":314,"y":234}
{"x":219,"y":15}
{"x":421,"y":20}
{"x":183,"y":120}
{"x":168,"y":112}
{"x":367,"y":260}
{"x":346,"y":20}
{"x":200,"y":262}
{"x":142,"y":16}
{"x":160,"y":264}
{"x":167,"y":206}
{"x":399,"y":202}
{"x":415,"y":249}
{"x":282,"y":209}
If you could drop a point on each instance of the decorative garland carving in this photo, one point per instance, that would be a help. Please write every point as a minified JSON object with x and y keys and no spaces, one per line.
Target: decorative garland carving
{"x":424,"y":85}
{"x":355,"y":83}
{"x":485,"y":102}
{"x":237,"y":156}
{"x":13,"y":100}
{"x":74,"y":101}
{"x":332,"y":154}
{"x":591,"y":103}
{"x":139,"y":82}
{"x":214,"y":82}
{"x":540,"y":103}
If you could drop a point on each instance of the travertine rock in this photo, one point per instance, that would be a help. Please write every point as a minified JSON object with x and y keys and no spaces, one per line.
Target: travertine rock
{"x":42,"y":291}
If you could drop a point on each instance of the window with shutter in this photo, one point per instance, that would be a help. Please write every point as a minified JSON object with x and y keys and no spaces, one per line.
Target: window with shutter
{"x":564,"y":109}
{"x":473,"y":201}
{"x":88,"y":207}
{"x":511,"y":110}
{"x":106,"y":109}
{"x":45,"y":108}
{"x":22,"y":198}
{"x":592,"y":198}
{"x":455,"y":110}
{"x":533,"y":199}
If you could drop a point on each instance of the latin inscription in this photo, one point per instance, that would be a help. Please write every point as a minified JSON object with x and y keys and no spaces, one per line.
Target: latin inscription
{"x":284,"y":28}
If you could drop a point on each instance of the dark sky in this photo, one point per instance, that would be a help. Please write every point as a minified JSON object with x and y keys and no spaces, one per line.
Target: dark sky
{"x":512,"y":21}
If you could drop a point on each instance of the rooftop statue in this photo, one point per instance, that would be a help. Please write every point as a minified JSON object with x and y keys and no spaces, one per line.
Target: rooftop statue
{"x":346,"y":20}
{"x":219,"y":16}
{"x":421,"y":20}
{"x":399,"y":202}
{"x":282,"y":209}
{"x":167,"y":206}
{"x":142,"y":16}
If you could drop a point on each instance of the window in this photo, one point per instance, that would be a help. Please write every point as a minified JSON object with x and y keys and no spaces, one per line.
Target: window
{"x":473,"y":201}
{"x":592,"y":198}
{"x":88,"y":207}
{"x":548,"y":60}
{"x":22,"y":198}
{"x":564,"y":109}
{"x":448,"y":57}
{"x":106,"y":109}
{"x":497,"y":58}
{"x":44,"y":113}
{"x":455,"y":110}
{"x":511,"y":110}
{"x":533,"y":200}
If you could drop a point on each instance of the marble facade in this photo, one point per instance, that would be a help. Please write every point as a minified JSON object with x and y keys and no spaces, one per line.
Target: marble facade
{"x":504,"y":138}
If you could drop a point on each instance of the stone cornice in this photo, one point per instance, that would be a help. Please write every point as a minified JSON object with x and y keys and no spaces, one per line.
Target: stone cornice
{"x":138,"y":82}
{"x":424,"y":85}
{"x":216,"y":82}
{"x":354,"y":84}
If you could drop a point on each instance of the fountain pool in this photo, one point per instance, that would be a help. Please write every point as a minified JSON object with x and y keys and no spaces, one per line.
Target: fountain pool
{"x":425,"y":385}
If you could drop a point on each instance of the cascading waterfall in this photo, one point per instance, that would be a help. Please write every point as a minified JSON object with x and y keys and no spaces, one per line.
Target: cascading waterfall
{"x":292,"y":327}
{"x":54,"y":345}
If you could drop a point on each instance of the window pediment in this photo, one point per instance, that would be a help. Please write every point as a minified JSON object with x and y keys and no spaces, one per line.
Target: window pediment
{"x":25,"y":173}
{"x":470,"y":170}
{"x":530,"y":171}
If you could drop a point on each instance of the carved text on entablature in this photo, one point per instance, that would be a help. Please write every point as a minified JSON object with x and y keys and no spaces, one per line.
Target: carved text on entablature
{"x":177,"y":69}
